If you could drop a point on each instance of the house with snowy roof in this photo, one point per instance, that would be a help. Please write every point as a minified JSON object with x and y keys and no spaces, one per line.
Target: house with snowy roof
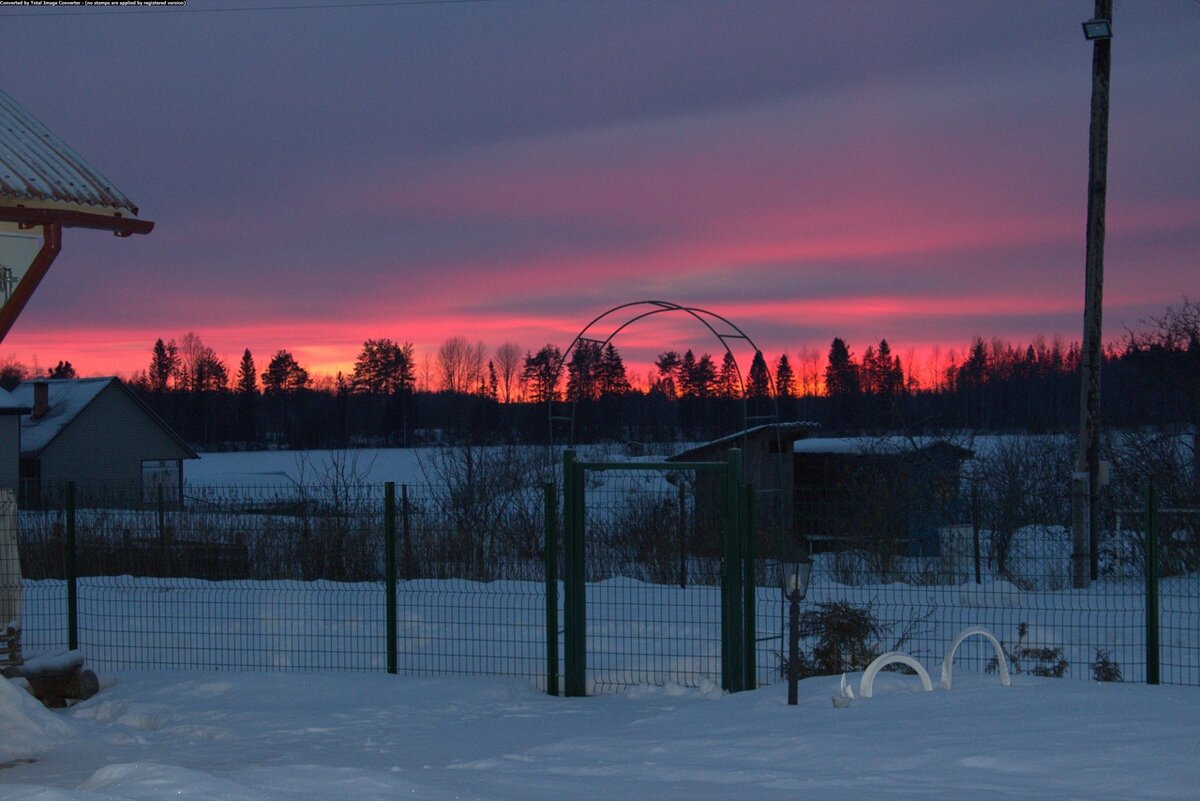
{"x":99,"y":435}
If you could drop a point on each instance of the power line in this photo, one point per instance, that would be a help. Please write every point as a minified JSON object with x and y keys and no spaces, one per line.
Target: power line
{"x":235,"y":9}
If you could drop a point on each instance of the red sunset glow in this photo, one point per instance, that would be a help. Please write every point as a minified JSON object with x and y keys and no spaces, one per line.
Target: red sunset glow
{"x":328,"y":185}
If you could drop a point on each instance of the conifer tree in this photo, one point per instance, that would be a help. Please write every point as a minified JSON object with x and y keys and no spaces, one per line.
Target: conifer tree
{"x":383,"y":367}
{"x":164,"y":365}
{"x":704,"y":376}
{"x":492,"y":390}
{"x":727,"y":378}
{"x":759,"y":383}
{"x":247,"y":377}
{"x":841,"y":372}
{"x":668,"y":371}
{"x":687,"y":375}
{"x":283,"y":374}
{"x":541,"y":373}
{"x":62,"y":370}
{"x":247,"y":393}
{"x":785,"y":378}
{"x":612,"y":377}
{"x":582,"y":372}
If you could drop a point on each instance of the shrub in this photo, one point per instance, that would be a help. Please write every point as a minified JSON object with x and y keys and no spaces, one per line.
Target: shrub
{"x":1104,"y":668}
{"x":1032,"y":654}
{"x":846,"y":639}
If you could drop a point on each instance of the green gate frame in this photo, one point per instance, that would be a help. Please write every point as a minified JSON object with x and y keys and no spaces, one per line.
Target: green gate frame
{"x":738,"y":625}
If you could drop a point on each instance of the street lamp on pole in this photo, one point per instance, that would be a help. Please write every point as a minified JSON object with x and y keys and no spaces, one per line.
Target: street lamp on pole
{"x":1085,"y":483}
{"x":795,"y":569}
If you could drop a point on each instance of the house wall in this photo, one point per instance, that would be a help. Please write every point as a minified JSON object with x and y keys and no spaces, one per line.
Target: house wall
{"x":103,"y":448}
{"x":10,"y":451}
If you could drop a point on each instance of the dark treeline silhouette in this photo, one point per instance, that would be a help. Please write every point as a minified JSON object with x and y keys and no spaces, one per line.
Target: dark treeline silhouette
{"x":1149,"y":378}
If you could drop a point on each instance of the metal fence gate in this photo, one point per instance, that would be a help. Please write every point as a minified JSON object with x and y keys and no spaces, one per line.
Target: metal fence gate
{"x":657,"y":574}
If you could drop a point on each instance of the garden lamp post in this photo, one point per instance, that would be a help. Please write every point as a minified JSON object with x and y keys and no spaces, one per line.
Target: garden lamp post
{"x":795,"y":569}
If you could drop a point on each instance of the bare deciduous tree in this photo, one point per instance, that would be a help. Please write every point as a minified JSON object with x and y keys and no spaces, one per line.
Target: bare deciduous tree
{"x":508,"y":363}
{"x":460,"y":365}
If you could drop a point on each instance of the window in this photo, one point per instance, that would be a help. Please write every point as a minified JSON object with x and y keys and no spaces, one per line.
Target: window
{"x":162,"y":473}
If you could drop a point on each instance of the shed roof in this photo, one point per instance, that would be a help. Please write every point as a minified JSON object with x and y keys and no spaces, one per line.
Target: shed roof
{"x":68,"y":398}
{"x":10,"y":405}
{"x":40,"y":174}
{"x":867,"y":446}
{"x":787,"y":431}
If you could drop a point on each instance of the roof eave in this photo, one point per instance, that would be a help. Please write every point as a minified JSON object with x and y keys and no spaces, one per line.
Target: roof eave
{"x":71,"y":218}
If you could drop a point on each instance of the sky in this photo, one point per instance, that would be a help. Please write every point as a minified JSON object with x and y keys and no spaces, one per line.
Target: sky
{"x":509,"y":170}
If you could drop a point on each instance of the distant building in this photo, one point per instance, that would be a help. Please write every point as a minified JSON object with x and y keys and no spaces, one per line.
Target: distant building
{"x":884,"y":494}
{"x":766,"y":465}
{"x":96,"y":433}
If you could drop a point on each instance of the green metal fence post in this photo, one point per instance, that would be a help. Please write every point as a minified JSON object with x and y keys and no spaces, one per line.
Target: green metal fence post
{"x":1152,"y":647}
{"x":550,"y":551}
{"x":726,"y":526}
{"x":732,"y":637}
{"x":389,"y":551}
{"x":574,"y":585}
{"x":72,"y":590}
{"x":749,"y":591}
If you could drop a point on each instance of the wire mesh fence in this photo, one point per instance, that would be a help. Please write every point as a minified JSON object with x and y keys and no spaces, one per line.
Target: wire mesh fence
{"x":653,"y":569}
{"x":253,"y":578}
{"x":260,"y":578}
{"x":1021,"y":590}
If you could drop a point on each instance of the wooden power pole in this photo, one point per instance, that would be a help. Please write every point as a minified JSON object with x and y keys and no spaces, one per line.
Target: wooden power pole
{"x":1085,"y":484}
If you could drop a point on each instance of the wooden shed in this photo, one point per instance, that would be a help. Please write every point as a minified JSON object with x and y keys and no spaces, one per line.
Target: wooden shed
{"x":767,"y":465}
{"x":889,"y":494}
{"x":98,"y":434}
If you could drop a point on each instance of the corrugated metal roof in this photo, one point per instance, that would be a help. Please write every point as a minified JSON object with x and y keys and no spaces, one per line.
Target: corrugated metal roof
{"x":36,"y":166}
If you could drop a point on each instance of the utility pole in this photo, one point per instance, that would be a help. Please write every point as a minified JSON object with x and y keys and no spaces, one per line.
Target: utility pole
{"x":1085,"y":483}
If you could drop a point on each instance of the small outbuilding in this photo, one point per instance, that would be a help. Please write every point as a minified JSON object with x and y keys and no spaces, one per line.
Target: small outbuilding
{"x":98,"y":434}
{"x":766,"y":465}
{"x":887,"y":494}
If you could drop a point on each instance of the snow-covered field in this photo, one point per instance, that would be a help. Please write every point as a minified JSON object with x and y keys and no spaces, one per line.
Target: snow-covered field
{"x":327,"y":723}
{"x":288,"y":468}
{"x":206,"y":736}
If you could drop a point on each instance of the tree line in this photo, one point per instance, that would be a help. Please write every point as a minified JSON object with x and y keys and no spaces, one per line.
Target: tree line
{"x":464,"y":393}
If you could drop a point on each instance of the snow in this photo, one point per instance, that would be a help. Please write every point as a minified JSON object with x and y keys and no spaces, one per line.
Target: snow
{"x":258,"y":737}
{"x":860,"y":446}
{"x":291,"y":468}
{"x":27,"y":726}
{"x":354,"y":466}
{"x":340,"y":732}
{"x":68,"y":397}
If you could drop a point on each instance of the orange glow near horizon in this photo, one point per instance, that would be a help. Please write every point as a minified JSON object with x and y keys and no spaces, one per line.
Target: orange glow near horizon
{"x":326,"y":350}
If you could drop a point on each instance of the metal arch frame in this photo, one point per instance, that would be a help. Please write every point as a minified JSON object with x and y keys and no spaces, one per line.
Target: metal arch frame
{"x":703,"y":316}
